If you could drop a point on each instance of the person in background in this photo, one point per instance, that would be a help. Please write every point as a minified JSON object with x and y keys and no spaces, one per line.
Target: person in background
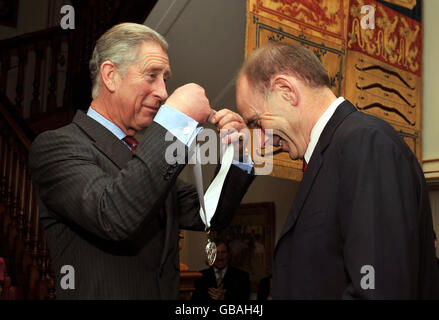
{"x":222,"y":281}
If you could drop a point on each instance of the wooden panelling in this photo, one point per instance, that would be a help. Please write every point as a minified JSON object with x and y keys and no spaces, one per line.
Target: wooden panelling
{"x":379,"y":70}
{"x":377,"y":88}
{"x":325,"y":19}
{"x":384,"y":69}
{"x":395,"y":39}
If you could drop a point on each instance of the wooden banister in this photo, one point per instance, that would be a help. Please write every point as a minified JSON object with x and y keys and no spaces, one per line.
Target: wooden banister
{"x":21,"y":238}
{"x":37,"y":57}
{"x":29,"y":39}
{"x":20,"y":135}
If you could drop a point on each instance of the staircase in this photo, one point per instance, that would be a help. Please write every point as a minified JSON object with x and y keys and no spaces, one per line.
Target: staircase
{"x":32,"y":76}
{"x":22,"y":242}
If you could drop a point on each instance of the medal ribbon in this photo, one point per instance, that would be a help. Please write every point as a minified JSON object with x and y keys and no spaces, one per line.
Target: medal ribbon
{"x":209,"y":202}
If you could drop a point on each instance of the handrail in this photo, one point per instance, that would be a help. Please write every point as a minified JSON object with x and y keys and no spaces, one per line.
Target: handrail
{"x":25,"y":136}
{"x":40,"y":57}
{"x":33,"y":37}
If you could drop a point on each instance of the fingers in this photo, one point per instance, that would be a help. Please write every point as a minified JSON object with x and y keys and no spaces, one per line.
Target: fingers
{"x":216,"y":293}
{"x":232,"y":128}
{"x":213,"y":293}
{"x":211,"y":116}
{"x":191,"y":100}
{"x":224,"y":116}
{"x":227,"y":121}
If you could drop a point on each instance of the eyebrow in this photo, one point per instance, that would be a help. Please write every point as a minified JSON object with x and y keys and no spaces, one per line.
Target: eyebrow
{"x":166,"y":72}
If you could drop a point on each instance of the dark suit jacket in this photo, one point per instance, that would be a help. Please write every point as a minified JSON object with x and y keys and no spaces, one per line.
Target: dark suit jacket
{"x":363,"y":201}
{"x":236,"y":282}
{"x":115,"y":217}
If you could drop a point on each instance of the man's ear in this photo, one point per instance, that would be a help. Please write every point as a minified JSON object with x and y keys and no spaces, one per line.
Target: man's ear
{"x":286,"y":87}
{"x":109,"y":75}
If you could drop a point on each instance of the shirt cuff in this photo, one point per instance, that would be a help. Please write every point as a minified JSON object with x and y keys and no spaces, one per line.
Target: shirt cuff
{"x":183,"y":127}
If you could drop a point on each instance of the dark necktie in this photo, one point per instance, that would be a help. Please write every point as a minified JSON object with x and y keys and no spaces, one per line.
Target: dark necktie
{"x":305,"y":165}
{"x":219,"y":277}
{"x":132,"y":143}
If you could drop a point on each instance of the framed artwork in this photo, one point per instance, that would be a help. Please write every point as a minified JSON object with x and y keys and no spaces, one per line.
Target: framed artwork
{"x":251,"y":239}
{"x":8,"y":13}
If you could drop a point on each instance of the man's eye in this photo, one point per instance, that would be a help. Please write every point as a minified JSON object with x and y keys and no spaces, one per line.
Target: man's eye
{"x":152,"y":76}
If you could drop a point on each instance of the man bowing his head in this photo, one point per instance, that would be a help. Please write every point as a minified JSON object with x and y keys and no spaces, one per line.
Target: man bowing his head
{"x":360,"y":226}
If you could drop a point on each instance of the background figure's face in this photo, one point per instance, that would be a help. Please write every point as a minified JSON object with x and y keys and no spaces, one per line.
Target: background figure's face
{"x":140,"y":92}
{"x":222,"y":256}
{"x":274,"y":113}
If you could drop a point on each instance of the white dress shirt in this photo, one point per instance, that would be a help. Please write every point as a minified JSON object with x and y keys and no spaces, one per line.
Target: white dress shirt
{"x":319,"y":126}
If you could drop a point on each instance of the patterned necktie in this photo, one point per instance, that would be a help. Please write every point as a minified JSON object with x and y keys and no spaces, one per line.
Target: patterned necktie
{"x":132,"y":143}
{"x":305,"y":165}
{"x":219,"y":277}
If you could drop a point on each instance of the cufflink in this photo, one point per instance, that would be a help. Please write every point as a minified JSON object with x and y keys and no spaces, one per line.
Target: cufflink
{"x":186,"y":130}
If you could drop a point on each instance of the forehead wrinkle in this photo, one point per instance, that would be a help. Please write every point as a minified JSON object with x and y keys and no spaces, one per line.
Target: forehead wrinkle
{"x":153,"y":65}
{"x":157,"y":58}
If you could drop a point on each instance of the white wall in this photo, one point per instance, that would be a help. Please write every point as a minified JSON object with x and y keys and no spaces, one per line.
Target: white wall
{"x":430,"y":130}
{"x":32,"y":16}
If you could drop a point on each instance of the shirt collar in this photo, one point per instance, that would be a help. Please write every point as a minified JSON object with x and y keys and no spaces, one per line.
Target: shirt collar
{"x":319,"y":126}
{"x":114,"y":129}
{"x":223,"y":271}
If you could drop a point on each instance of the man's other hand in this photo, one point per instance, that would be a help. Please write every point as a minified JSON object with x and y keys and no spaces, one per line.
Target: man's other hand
{"x":231,"y":126}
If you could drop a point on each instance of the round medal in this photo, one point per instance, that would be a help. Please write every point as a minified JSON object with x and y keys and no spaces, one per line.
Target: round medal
{"x":210,"y":252}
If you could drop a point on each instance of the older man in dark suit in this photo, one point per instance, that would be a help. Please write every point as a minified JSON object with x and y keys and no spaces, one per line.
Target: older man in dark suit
{"x":360,"y":225}
{"x":111,"y":207}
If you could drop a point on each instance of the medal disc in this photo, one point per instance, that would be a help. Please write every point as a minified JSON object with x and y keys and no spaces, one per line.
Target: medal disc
{"x":210,"y":252}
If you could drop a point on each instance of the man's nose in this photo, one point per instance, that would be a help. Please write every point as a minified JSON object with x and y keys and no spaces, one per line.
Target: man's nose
{"x":161,"y":91}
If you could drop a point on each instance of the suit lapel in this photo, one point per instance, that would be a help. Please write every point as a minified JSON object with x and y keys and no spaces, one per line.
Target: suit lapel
{"x":316,"y":161}
{"x":302,"y":193}
{"x":210,"y":277}
{"x":103,"y":139}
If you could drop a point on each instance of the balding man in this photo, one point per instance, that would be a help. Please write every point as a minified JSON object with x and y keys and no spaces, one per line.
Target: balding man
{"x":360,"y":225}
